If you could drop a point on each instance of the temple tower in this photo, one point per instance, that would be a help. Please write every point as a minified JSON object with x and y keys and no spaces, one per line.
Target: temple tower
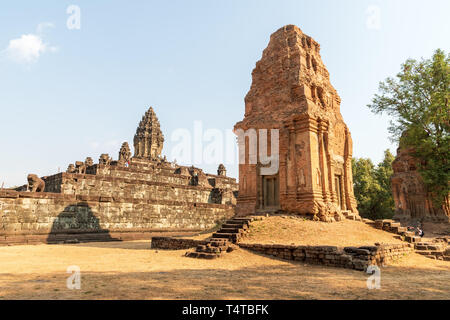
{"x":291,"y":93}
{"x":148,"y":140}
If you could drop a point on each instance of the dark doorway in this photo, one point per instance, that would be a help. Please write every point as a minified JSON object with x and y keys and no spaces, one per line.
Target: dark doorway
{"x":338,"y":189}
{"x":270,"y":192}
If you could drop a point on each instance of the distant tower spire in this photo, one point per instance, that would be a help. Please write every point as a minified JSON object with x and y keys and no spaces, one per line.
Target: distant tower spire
{"x":148,"y":140}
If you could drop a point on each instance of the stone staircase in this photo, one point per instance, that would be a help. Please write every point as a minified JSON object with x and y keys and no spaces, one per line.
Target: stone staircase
{"x":223,"y":240}
{"x":436,"y":248}
{"x":392,"y":226}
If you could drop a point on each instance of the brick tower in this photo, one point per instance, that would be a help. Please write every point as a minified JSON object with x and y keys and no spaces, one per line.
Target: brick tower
{"x":291,"y":92}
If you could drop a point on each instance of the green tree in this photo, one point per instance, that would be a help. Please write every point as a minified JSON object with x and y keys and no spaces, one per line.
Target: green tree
{"x":383,"y":174}
{"x":372,"y":187}
{"x":418,"y":101}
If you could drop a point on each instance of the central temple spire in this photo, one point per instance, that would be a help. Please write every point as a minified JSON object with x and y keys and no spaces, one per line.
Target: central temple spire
{"x":148,"y":140}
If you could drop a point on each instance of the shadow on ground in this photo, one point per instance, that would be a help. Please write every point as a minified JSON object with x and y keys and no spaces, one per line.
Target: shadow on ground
{"x":285,"y":281}
{"x":78,"y":223}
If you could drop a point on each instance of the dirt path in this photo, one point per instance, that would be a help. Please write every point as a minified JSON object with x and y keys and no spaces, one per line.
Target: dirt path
{"x":130,"y":270}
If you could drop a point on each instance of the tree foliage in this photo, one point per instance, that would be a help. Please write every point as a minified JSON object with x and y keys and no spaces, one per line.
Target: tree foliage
{"x":418,"y":101}
{"x":372,"y":187}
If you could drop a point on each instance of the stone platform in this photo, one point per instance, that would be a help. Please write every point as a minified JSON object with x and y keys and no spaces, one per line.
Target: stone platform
{"x":125,"y":199}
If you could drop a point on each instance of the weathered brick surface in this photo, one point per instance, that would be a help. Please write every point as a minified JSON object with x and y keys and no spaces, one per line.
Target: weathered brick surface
{"x":44,"y":213}
{"x":292,"y":93}
{"x":175,"y":243}
{"x":125,"y":199}
{"x":358,"y":258}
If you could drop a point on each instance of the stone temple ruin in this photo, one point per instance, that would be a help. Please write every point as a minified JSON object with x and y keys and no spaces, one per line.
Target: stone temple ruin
{"x":412,"y":201}
{"x":144,"y":196}
{"x":134,"y":197}
{"x":291,"y":92}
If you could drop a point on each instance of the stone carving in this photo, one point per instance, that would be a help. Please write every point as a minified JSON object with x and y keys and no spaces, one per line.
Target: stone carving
{"x":221,"y":170}
{"x":216,"y":195}
{"x":35,"y":184}
{"x":412,"y":201}
{"x":198,"y":177}
{"x":71,"y":168}
{"x":89,"y":162}
{"x":104,"y":159}
{"x":301,"y":179}
{"x":80,"y":167}
{"x":184,"y":171}
{"x":124,"y":154}
{"x":148,"y":140}
{"x":291,"y":92}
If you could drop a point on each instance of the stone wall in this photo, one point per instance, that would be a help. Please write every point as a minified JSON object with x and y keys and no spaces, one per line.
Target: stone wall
{"x":140,"y":184}
{"x":358,"y":258}
{"x":170,"y":243}
{"x":52,"y":217}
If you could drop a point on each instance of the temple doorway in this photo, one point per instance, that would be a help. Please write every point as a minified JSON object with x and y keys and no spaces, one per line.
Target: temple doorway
{"x":270,"y":192}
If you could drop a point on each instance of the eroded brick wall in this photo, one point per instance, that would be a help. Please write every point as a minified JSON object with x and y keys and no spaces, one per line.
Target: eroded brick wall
{"x":170,"y":243}
{"x":38,"y":217}
{"x":139,"y":183}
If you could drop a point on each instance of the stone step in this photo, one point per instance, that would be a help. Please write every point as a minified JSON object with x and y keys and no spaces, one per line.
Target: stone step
{"x":430,"y":252}
{"x":202,"y":255}
{"x":243,"y":219}
{"x":401,"y":230}
{"x":230,"y":236}
{"x":345,"y":212}
{"x":424,"y":246}
{"x":413,"y":239}
{"x":236,"y":222}
{"x":387,"y":223}
{"x":230,"y":225}
{"x":231,"y":230}
{"x":208,"y":249}
{"x":217,"y":242}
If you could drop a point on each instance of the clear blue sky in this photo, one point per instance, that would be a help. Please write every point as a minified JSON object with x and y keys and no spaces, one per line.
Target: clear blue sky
{"x":82,"y":92}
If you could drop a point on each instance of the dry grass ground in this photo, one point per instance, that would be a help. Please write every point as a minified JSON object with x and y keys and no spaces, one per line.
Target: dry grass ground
{"x":131,"y":270}
{"x":295,"y":230}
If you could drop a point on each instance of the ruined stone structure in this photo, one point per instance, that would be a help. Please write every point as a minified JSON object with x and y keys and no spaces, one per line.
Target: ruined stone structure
{"x":148,"y":140}
{"x":411,"y":199}
{"x":111,"y":200}
{"x":124,"y":153}
{"x":291,"y":92}
{"x":35,"y":184}
{"x":221,"y":170}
